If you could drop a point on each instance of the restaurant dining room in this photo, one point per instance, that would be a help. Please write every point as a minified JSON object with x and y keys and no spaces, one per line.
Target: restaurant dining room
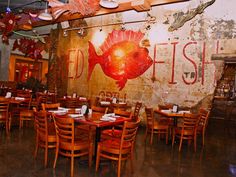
{"x":117,"y":88}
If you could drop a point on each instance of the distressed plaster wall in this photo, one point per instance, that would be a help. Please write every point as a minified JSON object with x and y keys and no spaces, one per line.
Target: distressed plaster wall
{"x":182,"y":73}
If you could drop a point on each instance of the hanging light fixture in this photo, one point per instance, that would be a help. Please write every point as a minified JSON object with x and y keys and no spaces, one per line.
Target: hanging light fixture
{"x":110,"y":4}
{"x":45,"y":15}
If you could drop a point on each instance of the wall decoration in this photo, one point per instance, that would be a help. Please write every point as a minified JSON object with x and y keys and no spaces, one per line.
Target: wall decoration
{"x":29,"y":47}
{"x":122,"y":57}
{"x":181,"y":18}
{"x":7,"y":24}
{"x":84,"y":7}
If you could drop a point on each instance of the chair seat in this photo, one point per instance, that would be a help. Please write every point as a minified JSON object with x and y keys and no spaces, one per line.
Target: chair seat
{"x":114,"y":143}
{"x":112,"y":133}
{"x":159,"y":125}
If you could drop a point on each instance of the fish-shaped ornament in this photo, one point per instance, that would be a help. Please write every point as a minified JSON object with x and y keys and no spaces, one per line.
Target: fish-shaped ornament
{"x":122,"y":57}
{"x":7,"y":24}
{"x":84,"y":7}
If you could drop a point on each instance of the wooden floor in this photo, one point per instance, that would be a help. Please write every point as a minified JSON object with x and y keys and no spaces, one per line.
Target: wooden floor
{"x":216,"y":159}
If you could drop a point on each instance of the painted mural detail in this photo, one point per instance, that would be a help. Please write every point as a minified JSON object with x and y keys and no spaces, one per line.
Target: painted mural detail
{"x":122,"y":57}
{"x":197,"y":64}
{"x":181,"y":18}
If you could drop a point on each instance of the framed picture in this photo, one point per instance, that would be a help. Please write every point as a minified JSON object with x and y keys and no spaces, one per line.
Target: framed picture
{"x":175,"y":108}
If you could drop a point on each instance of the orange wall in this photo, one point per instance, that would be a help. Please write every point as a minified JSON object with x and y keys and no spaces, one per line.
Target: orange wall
{"x":12,"y":66}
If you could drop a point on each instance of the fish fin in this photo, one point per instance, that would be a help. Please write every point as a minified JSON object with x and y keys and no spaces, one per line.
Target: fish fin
{"x":92,"y":60}
{"x":121,"y":83}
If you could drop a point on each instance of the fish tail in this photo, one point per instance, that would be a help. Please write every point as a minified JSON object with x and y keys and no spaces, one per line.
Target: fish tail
{"x":92,"y":60}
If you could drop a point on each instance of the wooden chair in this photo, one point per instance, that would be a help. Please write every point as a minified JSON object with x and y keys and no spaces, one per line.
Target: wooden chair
{"x":99,"y":109}
{"x":50,"y":106}
{"x":45,"y":134}
{"x":155,"y":127}
{"x":71,"y":102}
{"x":137,"y":108}
{"x":202,"y":124}
{"x":4,"y":115}
{"x":116,"y":131}
{"x":26,"y":113}
{"x":119,"y":149}
{"x":67,"y":144}
{"x":187,"y":130}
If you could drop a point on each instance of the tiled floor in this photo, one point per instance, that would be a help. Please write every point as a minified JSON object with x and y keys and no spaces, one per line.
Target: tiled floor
{"x":216,"y":159}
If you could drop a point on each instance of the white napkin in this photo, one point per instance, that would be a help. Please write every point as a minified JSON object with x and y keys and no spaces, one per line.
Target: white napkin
{"x":105,"y":103}
{"x":108,"y":117}
{"x":82,"y":98}
{"x":19,"y":98}
{"x":76,"y":115}
{"x":8,"y":95}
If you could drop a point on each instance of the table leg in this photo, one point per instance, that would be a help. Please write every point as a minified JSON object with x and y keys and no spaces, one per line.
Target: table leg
{"x":97,"y":140}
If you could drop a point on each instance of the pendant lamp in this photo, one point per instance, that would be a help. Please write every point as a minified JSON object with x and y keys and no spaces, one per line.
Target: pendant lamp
{"x":45,"y":15}
{"x":110,"y":4}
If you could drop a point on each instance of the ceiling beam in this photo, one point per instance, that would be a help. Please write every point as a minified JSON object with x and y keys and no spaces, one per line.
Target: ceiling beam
{"x":122,"y":7}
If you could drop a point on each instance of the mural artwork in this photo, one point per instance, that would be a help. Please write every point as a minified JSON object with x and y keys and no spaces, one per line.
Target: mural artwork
{"x":122,"y":57}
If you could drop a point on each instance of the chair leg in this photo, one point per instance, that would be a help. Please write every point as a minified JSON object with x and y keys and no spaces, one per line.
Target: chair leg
{"x":146,"y":133}
{"x":36,"y":147}
{"x":90,"y":155}
{"x":173,"y":139}
{"x":180,"y":144}
{"x":56,"y":155}
{"x":203,"y":138}
{"x":119,"y":167}
{"x":131,"y":160}
{"x":98,"y":157}
{"x":167,"y":136}
{"x":72,"y":165}
{"x":151,"y":137}
{"x":46,"y":155}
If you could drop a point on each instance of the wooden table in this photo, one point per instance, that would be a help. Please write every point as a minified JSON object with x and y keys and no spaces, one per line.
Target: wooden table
{"x":170,"y":114}
{"x":94,"y":120}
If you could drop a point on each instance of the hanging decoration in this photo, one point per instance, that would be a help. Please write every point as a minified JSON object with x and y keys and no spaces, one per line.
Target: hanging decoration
{"x":29,"y":47}
{"x":84,"y":7}
{"x":122,"y":57}
{"x":181,"y":18}
{"x":7,"y":24}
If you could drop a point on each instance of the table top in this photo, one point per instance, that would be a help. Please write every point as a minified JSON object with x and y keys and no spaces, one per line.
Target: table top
{"x":94,"y":119}
{"x":169,"y":113}
{"x":12,"y":100}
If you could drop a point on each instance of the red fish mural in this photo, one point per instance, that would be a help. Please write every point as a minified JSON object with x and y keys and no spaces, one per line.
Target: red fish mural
{"x":122,"y":57}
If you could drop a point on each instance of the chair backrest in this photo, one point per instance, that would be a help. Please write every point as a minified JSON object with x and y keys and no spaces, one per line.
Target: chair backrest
{"x":129,"y":133}
{"x":203,"y":117}
{"x":50,"y":106}
{"x":149,"y":117}
{"x":26,"y":103}
{"x":122,"y":113}
{"x":65,"y":131}
{"x":42,"y":98}
{"x":71,"y":102}
{"x":190,"y":121}
{"x":99,"y":109}
{"x":4,"y":107}
{"x":41,"y":124}
{"x":137,"y":108}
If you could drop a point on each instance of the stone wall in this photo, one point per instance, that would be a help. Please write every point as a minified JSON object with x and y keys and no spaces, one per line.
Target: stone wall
{"x":183,"y":72}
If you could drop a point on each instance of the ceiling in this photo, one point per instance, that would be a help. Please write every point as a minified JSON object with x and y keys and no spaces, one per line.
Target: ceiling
{"x":23,"y":7}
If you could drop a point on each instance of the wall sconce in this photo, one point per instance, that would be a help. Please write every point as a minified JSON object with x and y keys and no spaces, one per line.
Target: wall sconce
{"x":81,"y":32}
{"x":123,"y":26}
{"x":65,"y":33}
